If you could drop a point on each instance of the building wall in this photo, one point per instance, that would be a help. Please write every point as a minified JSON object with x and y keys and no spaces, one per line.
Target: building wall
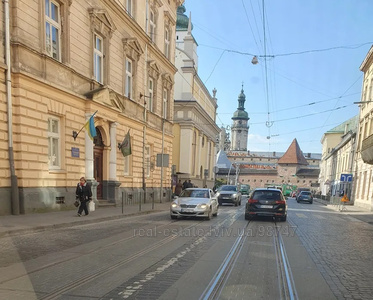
{"x":65,"y":89}
{"x":363,"y":172}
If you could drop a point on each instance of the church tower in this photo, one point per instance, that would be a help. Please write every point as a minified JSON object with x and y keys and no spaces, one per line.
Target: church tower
{"x":240,"y":128}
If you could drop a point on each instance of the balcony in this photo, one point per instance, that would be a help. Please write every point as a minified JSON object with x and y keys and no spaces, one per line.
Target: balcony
{"x":367,"y":150}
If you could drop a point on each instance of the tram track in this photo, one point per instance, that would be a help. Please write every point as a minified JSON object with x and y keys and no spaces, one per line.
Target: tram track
{"x":285,"y":279}
{"x":90,"y":277}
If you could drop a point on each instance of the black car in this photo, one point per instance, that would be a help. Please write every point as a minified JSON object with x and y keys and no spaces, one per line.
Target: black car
{"x":228,"y":194}
{"x":305,"y":196}
{"x":266,"y":202}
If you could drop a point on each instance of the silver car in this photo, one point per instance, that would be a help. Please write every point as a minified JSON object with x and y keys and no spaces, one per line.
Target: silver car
{"x":228,"y":194}
{"x":194,"y":202}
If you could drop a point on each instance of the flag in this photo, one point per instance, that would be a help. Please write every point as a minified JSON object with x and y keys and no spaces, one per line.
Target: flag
{"x":125,"y":147}
{"x":90,"y":127}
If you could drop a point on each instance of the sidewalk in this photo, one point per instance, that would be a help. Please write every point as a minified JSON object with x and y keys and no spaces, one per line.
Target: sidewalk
{"x":11,"y":225}
{"x":353,"y":211}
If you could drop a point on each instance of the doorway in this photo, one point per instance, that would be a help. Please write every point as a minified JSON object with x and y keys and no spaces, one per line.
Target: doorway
{"x":98,"y":158}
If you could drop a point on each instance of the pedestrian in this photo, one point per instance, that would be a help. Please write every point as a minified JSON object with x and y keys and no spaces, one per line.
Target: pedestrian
{"x":179,"y":188}
{"x":185,"y":184}
{"x":84,"y":195}
{"x":190,"y":184}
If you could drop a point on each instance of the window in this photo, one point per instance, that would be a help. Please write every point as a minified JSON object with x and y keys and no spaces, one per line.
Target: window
{"x":127,"y":165}
{"x":152,"y":26}
{"x":52,"y":29}
{"x":98,"y":56}
{"x":167,"y":43}
{"x":128,"y":83}
{"x":54,"y":139}
{"x":165,"y":103}
{"x":151,"y":94}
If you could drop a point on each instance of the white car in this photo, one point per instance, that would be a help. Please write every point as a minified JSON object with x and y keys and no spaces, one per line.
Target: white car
{"x":194,"y":202}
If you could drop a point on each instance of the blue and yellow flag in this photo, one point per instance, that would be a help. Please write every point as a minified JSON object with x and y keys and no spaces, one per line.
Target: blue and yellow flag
{"x":90,"y":127}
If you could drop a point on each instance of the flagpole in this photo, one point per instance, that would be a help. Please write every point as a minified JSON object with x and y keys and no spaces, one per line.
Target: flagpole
{"x":75,"y":134}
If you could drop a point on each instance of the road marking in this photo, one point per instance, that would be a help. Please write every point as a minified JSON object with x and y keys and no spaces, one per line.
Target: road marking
{"x":301,"y":215}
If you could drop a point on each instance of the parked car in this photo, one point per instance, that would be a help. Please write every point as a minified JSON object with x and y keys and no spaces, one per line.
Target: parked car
{"x":228,"y":194}
{"x":305,"y":196}
{"x":266,"y":202}
{"x":194,"y":202}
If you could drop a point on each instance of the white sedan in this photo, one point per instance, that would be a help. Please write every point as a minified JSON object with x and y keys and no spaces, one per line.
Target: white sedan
{"x":194,"y":202}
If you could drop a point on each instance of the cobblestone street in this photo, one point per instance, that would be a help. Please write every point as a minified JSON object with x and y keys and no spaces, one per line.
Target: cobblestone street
{"x":340,"y":244}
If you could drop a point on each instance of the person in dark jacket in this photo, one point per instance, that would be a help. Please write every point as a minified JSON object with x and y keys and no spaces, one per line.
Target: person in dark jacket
{"x":84,"y":195}
{"x":179,"y":188}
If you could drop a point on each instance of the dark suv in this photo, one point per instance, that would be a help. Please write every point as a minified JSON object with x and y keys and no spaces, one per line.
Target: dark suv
{"x":266,"y":202}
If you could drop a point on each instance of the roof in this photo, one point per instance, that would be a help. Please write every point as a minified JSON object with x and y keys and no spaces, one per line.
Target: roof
{"x":293,"y":155}
{"x":222,"y":161}
{"x":350,"y":124}
{"x":308,"y":172}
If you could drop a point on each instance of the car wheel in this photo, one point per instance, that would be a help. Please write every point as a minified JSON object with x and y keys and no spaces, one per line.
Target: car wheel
{"x":283,"y":219}
{"x":297,"y":201}
{"x":239,"y":203}
{"x":311,"y":202}
{"x":247,"y":217}
{"x":173,"y":217}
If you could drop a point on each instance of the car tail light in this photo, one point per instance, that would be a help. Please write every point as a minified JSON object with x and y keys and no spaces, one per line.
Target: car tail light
{"x":251,"y":201}
{"x":280,"y":202}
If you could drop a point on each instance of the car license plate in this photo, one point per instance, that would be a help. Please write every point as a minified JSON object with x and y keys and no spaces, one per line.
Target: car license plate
{"x":186,"y":210}
{"x":266,"y":206}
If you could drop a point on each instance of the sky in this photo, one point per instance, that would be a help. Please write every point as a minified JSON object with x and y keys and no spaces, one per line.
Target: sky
{"x":308,"y":73}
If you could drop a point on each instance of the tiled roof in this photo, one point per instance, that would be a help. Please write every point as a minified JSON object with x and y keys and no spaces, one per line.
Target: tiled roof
{"x":293,"y":155}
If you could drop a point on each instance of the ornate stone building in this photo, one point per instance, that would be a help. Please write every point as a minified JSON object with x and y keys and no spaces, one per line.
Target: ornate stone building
{"x":195,"y":128}
{"x":66,"y":60}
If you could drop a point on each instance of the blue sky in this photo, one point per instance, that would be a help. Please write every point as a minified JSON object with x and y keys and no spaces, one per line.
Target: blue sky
{"x":308,"y":73}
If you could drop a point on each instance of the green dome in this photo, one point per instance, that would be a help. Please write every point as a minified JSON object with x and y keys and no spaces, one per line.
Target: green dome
{"x":182,"y":20}
{"x":240,"y":114}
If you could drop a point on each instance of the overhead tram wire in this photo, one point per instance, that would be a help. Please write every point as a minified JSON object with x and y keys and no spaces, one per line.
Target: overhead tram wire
{"x":248,"y":21}
{"x":291,"y":53}
{"x":269,"y":123}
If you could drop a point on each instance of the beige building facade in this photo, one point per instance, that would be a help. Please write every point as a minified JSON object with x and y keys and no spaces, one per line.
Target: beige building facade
{"x":69,"y":59}
{"x":363,"y":170}
{"x":338,"y":155}
{"x":195,"y":130}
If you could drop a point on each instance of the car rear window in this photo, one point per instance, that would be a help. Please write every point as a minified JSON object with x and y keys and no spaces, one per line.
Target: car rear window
{"x":266,"y":195}
{"x":305,"y":193}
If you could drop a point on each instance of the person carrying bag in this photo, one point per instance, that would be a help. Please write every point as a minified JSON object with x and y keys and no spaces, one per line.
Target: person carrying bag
{"x":84,"y":195}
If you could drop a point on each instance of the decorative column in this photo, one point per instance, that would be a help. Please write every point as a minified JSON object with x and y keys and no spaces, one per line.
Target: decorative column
{"x":113,"y":152}
{"x":89,"y":162}
{"x":200,"y":136}
{"x":113,"y":184}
